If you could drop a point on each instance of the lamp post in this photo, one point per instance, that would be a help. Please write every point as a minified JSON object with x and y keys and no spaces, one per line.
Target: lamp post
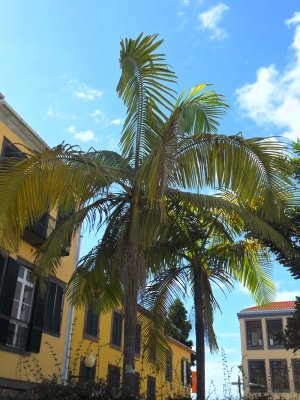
{"x":250,"y":384}
{"x":239,"y":384}
{"x":89,"y":362}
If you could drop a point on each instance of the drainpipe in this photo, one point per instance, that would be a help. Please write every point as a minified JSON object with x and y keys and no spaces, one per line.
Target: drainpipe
{"x":67,"y":346}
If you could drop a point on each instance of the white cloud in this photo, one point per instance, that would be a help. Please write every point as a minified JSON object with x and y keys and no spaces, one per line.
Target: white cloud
{"x":87,"y":94}
{"x":53,"y":114}
{"x":101,"y":118}
{"x":116,"y":121}
{"x":274,"y":98}
{"x":83,"y":136}
{"x":72,"y":130}
{"x":286,"y":295}
{"x":97,"y":113}
{"x":81,"y":90}
{"x":211,"y":18}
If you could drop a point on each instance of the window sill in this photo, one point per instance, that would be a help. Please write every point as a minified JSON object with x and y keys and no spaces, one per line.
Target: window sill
{"x":14,"y":350}
{"x":115,"y":347}
{"x":55,"y":334}
{"x":90,"y":337}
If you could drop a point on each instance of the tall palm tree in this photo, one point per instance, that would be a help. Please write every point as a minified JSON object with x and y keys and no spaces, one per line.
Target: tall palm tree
{"x":168,"y":144}
{"x":201,"y":249}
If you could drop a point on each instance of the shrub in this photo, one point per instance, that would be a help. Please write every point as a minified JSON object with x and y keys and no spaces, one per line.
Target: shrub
{"x":73,"y":390}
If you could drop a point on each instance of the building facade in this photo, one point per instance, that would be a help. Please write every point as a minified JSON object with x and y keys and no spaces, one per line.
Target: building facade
{"x":42,"y":335}
{"x":267,"y":366}
{"x":102,"y":335}
{"x":33,"y":329}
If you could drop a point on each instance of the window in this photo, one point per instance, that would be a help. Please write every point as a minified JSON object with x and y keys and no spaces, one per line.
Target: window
{"x":114,"y":376}
{"x":116,"y":336}
{"x":91,"y":322}
{"x":136,"y":384}
{"x":21,"y":310}
{"x":22,"y":307}
{"x":254,"y":334}
{"x":85,"y":373}
{"x":257,"y":376}
{"x":185,"y":372}
{"x":296,"y":374}
{"x":168,"y":370}
{"x":279,"y":375}
{"x":274,"y":327}
{"x":54,"y":306}
{"x":151,"y":388}
{"x":10,"y":151}
{"x":138,"y":339}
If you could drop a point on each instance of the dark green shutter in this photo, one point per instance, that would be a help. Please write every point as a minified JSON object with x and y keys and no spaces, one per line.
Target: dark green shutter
{"x":36,"y":326}
{"x":117,"y":329}
{"x":58,"y":309}
{"x":182,"y":371}
{"x":188,"y":372}
{"x":9,"y":287}
{"x":86,"y":374}
{"x":151,"y":388}
{"x":138,"y":339}
{"x":7,"y":297}
{"x":136,"y":384}
{"x":114,"y":376}
{"x":2,"y":266}
{"x":53,"y":308}
{"x":92,"y":322}
{"x":49,"y":306}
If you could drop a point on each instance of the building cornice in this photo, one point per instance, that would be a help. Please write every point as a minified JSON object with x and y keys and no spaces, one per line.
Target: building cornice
{"x":13,"y":121}
{"x":264,"y":313}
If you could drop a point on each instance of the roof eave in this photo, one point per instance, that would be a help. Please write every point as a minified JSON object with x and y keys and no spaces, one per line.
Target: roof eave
{"x":16,"y":123}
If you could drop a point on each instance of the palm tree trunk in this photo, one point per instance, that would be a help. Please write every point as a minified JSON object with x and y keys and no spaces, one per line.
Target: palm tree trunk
{"x":200,"y":333}
{"x":130,"y":307}
{"x":132,"y":276}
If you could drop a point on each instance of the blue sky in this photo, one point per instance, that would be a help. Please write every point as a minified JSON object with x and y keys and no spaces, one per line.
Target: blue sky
{"x":59,"y":69}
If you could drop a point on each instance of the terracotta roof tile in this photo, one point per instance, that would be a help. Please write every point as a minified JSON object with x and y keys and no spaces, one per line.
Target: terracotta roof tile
{"x":276,"y":305}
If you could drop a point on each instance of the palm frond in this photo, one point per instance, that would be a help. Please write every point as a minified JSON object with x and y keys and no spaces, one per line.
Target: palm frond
{"x":143,"y":88}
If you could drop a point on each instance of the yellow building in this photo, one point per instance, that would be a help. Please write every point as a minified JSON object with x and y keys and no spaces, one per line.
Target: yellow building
{"x":103,"y":337}
{"x":33,"y":330}
{"x":267,"y":366}
{"x":36,"y":332}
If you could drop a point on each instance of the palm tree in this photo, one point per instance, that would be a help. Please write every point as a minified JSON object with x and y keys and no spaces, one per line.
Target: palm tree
{"x":167,"y":144}
{"x":201,"y":249}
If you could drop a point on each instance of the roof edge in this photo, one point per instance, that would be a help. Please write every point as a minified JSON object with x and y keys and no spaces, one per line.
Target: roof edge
{"x":16,"y":123}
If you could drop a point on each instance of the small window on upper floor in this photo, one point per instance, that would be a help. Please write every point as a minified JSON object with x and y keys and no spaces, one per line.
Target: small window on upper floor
{"x":117,"y":326}
{"x":10,"y":151}
{"x":54,"y":307}
{"x":91,"y":327}
{"x":169,"y":368}
{"x":274,"y":328}
{"x":185,"y":372}
{"x":254,"y":334}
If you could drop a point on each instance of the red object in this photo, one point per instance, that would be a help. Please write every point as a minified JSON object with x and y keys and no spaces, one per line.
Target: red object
{"x":276,"y":305}
{"x":194,"y":382}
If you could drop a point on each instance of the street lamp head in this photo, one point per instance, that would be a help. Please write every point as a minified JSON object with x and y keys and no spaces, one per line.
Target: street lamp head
{"x":89,"y":360}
